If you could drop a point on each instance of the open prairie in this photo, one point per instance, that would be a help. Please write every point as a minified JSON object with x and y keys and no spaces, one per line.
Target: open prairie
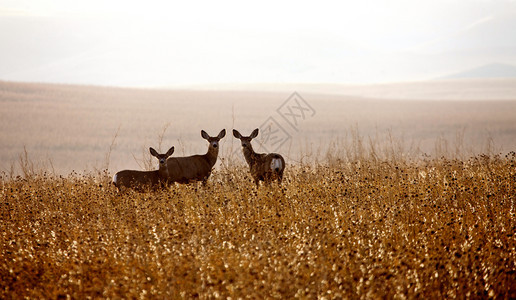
{"x":382,"y":198}
{"x":64,"y":128}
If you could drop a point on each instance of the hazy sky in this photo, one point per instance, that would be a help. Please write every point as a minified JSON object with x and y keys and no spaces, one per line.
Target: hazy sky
{"x":168,"y":43}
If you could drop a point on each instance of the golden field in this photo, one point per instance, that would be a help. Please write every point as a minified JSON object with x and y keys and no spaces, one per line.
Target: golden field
{"x":356,"y":227}
{"x":382,"y":197}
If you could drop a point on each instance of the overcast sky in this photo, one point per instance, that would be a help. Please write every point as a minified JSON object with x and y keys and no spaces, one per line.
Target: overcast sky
{"x":168,"y":43}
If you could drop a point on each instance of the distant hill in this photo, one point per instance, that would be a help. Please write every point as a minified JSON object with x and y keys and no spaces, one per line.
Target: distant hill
{"x":487,"y":71}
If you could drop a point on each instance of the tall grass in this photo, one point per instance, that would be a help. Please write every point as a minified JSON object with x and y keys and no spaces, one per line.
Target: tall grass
{"x":366,"y":221}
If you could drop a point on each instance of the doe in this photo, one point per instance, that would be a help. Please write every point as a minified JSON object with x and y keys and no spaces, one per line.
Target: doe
{"x":264,"y":167}
{"x":144,"y":180}
{"x":196,"y":167}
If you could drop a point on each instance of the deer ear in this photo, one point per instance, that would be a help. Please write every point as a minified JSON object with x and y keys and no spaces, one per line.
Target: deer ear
{"x":237,"y":134}
{"x":153,"y":152}
{"x":222,"y":134}
{"x":170,"y":151}
{"x":254,"y":134}
{"x":204,"y":135}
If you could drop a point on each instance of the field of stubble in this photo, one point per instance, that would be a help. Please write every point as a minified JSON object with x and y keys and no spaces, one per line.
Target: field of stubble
{"x":345,"y":228}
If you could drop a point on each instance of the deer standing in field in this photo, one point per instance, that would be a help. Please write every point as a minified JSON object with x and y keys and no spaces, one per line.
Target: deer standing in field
{"x":196,"y":167}
{"x":144,"y":180}
{"x":264,"y":167}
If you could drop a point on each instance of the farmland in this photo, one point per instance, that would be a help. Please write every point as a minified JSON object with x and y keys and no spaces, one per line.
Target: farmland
{"x":380,"y":199}
{"x":65,"y":128}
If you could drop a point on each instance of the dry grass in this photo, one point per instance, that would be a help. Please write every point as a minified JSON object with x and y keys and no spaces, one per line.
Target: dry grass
{"x":365,"y":216}
{"x":354,"y":227}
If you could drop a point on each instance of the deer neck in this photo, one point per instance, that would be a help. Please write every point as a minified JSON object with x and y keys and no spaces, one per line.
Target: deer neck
{"x":250,"y":155}
{"x":211,"y":155}
{"x":163,"y":172}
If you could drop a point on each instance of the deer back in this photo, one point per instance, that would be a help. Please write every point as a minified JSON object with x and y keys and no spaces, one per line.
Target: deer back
{"x":257,"y":165}
{"x":186,"y":169}
{"x":136,"y":180}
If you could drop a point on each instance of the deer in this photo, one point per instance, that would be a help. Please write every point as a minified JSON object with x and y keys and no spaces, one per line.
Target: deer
{"x":265,"y":167}
{"x":144,"y":180}
{"x":195,"y":168}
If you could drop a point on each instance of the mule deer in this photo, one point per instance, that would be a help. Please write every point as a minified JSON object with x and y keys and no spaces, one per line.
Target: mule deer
{"x":263,"y":166}
{"x":196,"y":167}
{"x":144,"y":180}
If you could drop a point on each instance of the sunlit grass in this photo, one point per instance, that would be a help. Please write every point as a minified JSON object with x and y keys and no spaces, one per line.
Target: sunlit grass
{"x":359,"y":227}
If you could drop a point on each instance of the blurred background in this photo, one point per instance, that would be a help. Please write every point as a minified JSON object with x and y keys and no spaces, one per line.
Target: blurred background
{"x":177,"y":43}
{"x":92,"y":84}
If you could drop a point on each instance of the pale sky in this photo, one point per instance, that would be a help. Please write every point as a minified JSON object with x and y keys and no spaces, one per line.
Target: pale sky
{"x":168,"y":43}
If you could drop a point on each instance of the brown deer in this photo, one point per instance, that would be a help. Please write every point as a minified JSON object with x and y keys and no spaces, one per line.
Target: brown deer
{"x":196,"y":167}
{"x":264,"y":167}
{"x":144,"y":180}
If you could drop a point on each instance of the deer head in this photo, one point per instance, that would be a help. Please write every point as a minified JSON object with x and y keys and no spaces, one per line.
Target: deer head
{"x":162,"y":158}
{"x":246,"y":140}
{"x":214,"y":141}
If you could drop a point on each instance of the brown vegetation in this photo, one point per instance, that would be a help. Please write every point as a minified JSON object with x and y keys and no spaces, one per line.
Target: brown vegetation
{"x":350,"y":226}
